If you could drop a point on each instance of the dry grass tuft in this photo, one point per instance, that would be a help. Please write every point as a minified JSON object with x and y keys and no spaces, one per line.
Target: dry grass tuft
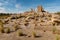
{"x":33,"y":34}
{"x":19,"y":33}
{"x":54,"y":29}
{"x":7,"y":30}
{"x":1,"y":29}
{"x":57,"y":37}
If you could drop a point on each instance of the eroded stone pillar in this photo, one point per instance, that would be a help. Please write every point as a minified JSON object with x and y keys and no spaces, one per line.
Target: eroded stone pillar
{"x":40,"y":9}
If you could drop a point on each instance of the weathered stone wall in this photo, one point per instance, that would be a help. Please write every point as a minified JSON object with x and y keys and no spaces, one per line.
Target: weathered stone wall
{"x":40,"y":9}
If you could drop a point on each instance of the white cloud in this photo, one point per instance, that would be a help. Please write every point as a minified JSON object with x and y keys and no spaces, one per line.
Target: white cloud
{"x":4,"y":3}
{"x":52,"y":9}
{"x":17,"y":6}
{"x":2,"y":10}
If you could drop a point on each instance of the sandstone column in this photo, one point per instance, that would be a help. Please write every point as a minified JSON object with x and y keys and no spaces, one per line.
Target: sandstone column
{"x":40,"y":9}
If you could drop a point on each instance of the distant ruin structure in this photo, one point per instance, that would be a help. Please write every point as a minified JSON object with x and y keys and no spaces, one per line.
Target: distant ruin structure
{"x":40,"y":9}
{"x":32,"y":10}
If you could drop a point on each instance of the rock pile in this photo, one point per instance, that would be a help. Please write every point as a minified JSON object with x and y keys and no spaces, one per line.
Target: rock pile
{"x":32,"y":20}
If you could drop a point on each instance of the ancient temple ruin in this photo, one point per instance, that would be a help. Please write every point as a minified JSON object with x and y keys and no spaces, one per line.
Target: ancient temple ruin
{"x":40,"y":9}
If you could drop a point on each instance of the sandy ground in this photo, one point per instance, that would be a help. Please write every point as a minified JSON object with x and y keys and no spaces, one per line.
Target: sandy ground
{"x":48,"y":35}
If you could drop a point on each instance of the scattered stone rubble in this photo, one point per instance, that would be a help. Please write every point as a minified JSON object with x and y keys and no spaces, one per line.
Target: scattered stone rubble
{"x":30,"y":25}
{"x":32,"y":19}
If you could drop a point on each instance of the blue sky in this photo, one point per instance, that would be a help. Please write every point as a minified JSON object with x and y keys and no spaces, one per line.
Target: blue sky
{"x":15,"y":6}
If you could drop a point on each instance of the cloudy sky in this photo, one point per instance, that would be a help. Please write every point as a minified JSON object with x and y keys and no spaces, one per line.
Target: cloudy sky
{"x":15,"y":6}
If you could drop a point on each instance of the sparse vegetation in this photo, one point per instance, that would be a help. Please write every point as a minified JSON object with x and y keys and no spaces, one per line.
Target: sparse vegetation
{"x":57,"y":37}
{"x":15,"y":27}
{"x":19,"y":33}
{"x":7,"y":30}
{"x":58,"y":13}
{"x":58,"y":32}
{"x":1,"y":29}
{"x":54,"y":29}
{"x":33,"y":34}
{"x":4,"y":15}
{"x":30,"y":24}
{"x":1,"y":23}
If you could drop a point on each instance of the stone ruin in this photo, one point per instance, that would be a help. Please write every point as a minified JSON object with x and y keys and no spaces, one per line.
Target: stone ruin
{"x":32,"y":19}
{"x":40,"y":9}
